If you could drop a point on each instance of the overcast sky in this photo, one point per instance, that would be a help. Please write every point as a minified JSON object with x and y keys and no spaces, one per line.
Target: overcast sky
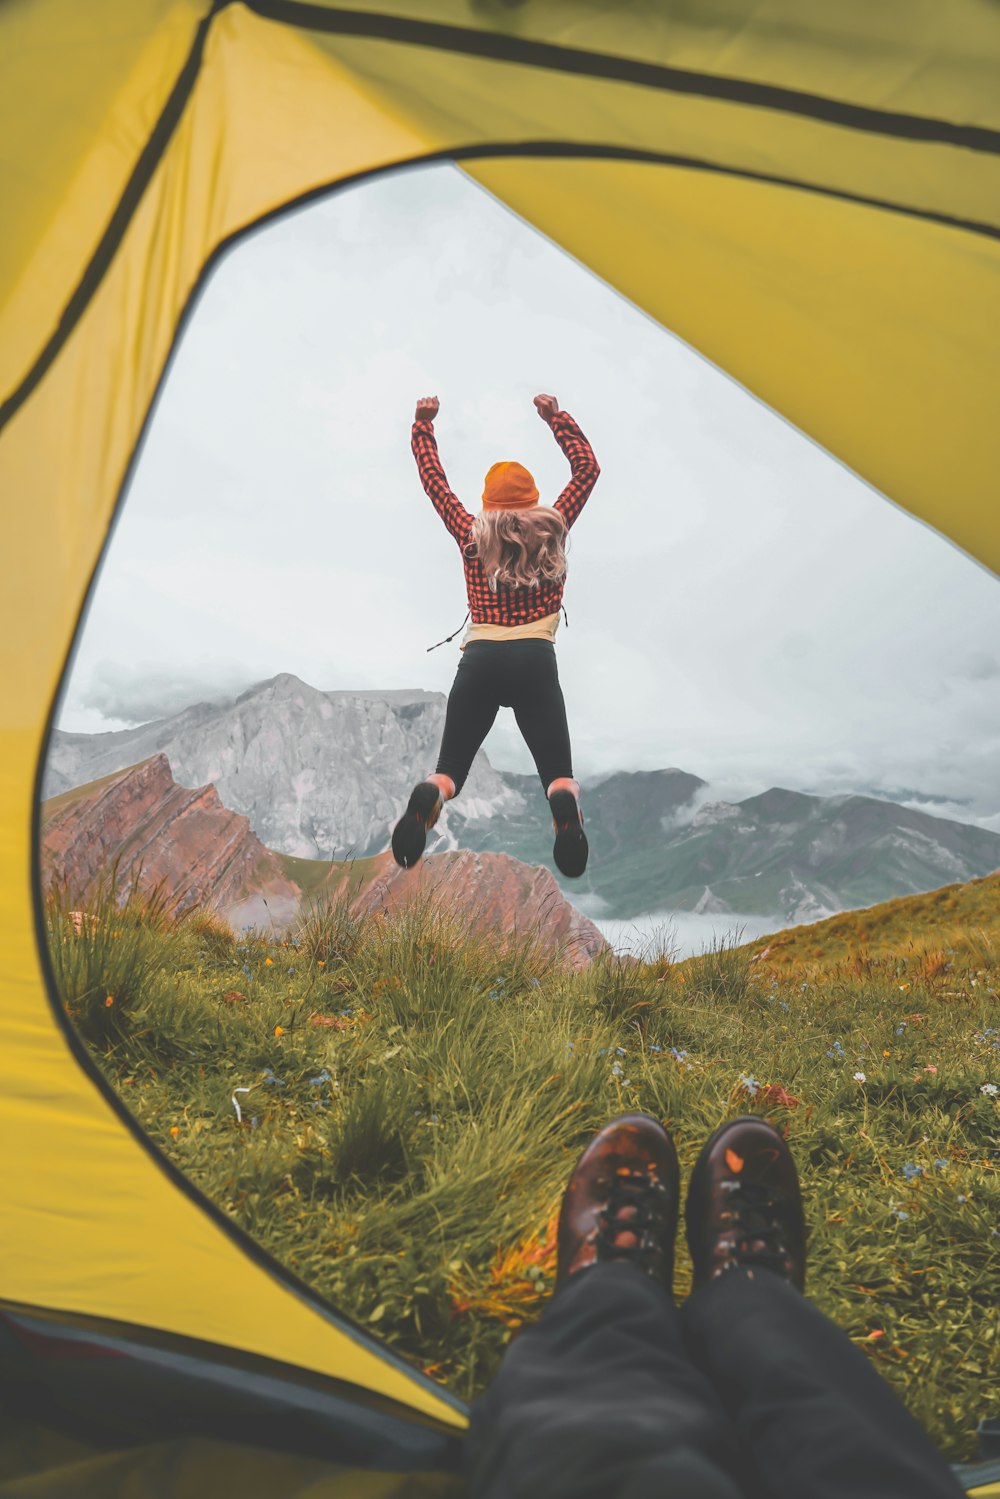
{"x":739,"y":604}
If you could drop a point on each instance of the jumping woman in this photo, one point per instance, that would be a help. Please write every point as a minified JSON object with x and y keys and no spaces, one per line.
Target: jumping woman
{"x":515,"y":567}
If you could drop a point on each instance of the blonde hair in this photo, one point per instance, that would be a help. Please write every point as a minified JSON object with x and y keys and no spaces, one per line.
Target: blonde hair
{"x":520,"y":548}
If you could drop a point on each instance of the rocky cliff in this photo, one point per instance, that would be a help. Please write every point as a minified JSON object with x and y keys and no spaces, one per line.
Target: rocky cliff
{"x":162,"y":834}
{"x":490,"y":891}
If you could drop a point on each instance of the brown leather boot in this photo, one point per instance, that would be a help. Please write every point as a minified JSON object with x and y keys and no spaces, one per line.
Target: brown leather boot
{"x":622,"y":1201}
{"x":744,"y":1207}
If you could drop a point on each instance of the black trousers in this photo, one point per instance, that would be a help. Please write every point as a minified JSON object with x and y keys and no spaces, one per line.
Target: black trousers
{"x":495,"y":674}
{"x":746,"y":1392}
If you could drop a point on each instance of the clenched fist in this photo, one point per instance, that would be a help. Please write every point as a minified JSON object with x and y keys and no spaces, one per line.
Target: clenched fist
{"x":427,"y":408}
{"x":547,"y":407}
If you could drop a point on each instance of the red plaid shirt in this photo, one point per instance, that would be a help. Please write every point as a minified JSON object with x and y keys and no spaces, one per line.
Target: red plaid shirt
{"x":507,"y":606}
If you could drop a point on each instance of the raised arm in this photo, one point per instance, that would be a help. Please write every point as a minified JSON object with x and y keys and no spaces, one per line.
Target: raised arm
{"x":582,"y":462}
{"x":432,"y":475}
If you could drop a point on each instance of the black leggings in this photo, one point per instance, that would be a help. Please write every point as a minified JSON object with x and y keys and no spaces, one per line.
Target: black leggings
{"x":495,"y":674}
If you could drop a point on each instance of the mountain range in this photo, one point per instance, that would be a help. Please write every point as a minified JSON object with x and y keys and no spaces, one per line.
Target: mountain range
{"x":324,"y":775}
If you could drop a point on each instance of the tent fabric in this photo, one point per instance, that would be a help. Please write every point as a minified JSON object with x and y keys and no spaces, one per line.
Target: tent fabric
{"x":810,"y":195}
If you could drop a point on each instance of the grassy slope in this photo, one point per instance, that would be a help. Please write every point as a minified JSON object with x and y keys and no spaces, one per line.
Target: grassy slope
{"x":407,"y":1155}
{"x":932,"y":927}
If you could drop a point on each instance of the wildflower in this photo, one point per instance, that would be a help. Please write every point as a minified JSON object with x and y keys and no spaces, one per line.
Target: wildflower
{"x":678,"y":1056}
{"x":175,"y":1130}
{"x":535,"y":984}
{"x":111,"y":999}
{"x":931,"y":1069}
{"x":620,"y":1050}
{"x":279,"y":1030}
{"x":569,"y":1048}
{"x":901,"y":1027}
{"x":750,"y":1083}
{"x":322,"y":1077}
{"x":910,"y":1171}
{"x":270,"y":1078}
{"x":961,"y":1197}
{"x":617,"y":1070}
{"x":989,"y":1088}
{"x":836,"y":1050}
{"x":900,"y":1214}
{"x":320,"y":962}
{"x":887,"y":1053}
{"x":268,"y":962}
{"x":859,"y":1077}
{"x":904,"y":987}
{"x":655,"y":1048}
{"x":942,"y":1164}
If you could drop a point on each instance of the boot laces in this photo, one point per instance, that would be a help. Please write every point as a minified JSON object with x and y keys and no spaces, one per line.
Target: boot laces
{"x":757,"y":1234}
{"x":646,"y":1194}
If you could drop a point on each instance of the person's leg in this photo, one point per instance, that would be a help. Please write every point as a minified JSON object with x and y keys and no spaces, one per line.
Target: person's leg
{"x":540,"y":710}
{"x":473,"y":705}
{"x":536,"y":697}
{"x":816,"y":1416}
{"x":813,"y":1415}
{"x":599,"y":1398}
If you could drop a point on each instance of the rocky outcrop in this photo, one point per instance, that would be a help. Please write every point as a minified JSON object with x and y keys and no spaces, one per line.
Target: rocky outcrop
{"x":161,"y":834}
{"x":492,"y":892}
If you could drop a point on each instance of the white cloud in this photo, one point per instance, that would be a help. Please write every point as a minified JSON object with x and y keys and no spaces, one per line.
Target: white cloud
{"x":739,"y":604}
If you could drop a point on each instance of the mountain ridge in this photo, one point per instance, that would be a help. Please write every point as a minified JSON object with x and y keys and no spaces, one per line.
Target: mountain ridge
{"x":324,"y":774}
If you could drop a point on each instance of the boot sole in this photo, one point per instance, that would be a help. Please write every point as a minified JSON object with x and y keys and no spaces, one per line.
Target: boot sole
{"x":570,"y":850}
{"x":409,"y":836}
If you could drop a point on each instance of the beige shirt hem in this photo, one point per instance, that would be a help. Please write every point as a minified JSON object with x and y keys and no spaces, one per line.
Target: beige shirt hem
{"x":536,"y":629}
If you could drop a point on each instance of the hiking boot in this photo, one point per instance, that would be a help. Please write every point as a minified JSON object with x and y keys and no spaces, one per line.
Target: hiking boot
{"x":744,"y":1208}
{"x":409,"y":836}
{"x":570,"y":849}
{"x":622,"y":1201}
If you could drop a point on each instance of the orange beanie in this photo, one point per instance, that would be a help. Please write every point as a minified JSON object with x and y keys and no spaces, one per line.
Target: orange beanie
{"x":509,"y":486}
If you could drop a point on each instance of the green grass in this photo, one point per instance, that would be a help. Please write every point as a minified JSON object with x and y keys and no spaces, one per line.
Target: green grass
{"x":406,"y":1157}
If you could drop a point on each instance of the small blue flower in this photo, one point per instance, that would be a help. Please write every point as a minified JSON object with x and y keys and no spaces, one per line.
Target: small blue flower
{"x":901,"y":1027}
{"x":322,"y":1077}
{"x":750,"y":1083}
{"x":620,"y":1050}
{"x":270,"y":1078}
{"x":910,"y":1171}
{"x":617,"y":1070}
{"x":901,"y":1214}
{"x":655,"y":1048}
{"x":569,"y":1048}
{"x":602,"y":1051}
{"x":535,"y":984}
{"x":836,"y":1050}
{"x":678,"y":1056}
{"x":942,"y":1164}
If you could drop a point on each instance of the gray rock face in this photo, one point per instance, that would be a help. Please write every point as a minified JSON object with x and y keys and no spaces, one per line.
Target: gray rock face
{"x":321,"y":775}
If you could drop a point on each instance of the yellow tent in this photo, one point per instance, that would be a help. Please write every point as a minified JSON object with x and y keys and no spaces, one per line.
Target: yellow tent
{"x":809,"y":194}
